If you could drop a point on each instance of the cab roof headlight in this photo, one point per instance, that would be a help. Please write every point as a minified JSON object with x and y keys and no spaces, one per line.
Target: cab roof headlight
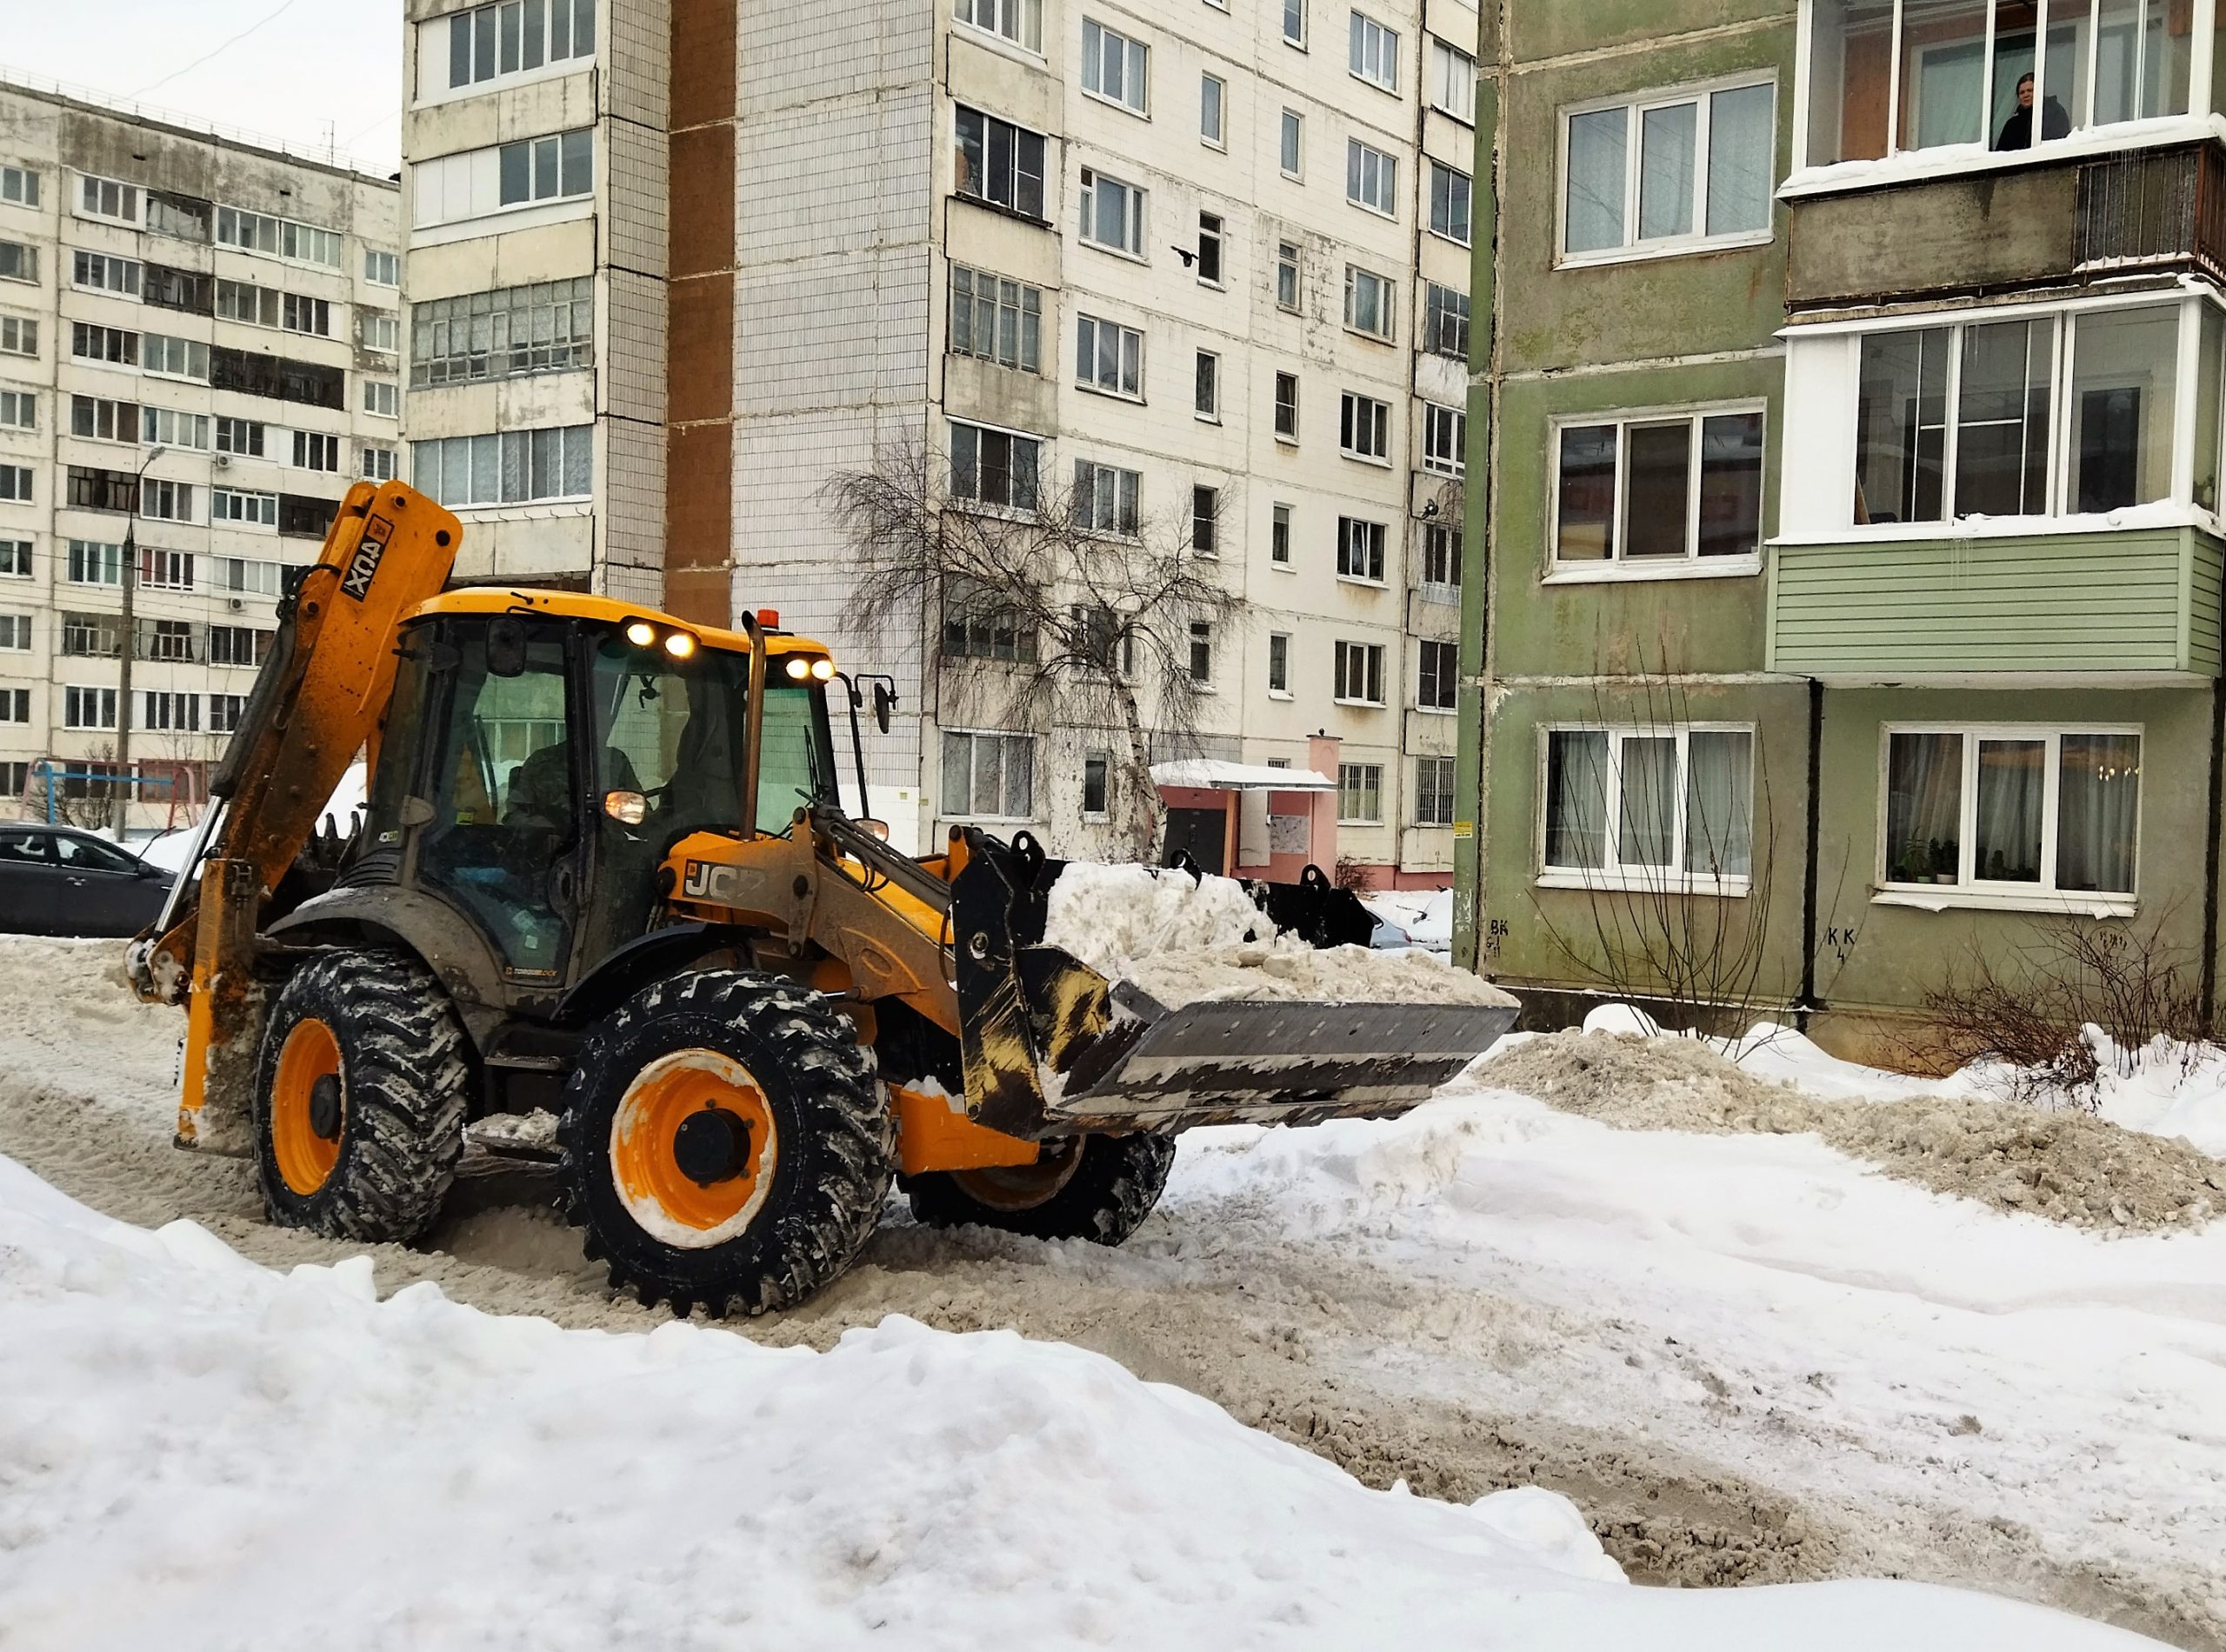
{"x":822,"y":669}
{"x":799,"y":668}
{"x":680,"y":645}
{"x":640,"y":633}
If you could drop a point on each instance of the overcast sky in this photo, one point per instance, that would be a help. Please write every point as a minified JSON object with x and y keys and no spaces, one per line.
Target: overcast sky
{"x":309,"y":72}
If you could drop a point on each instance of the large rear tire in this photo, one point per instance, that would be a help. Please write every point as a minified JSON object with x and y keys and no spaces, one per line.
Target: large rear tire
{"x":360,"y":1098}
{"x":1098,"y":1187}
{"x":726,"y":1143}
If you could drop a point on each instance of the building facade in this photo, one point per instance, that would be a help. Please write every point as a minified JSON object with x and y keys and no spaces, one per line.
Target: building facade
{"x":199,"y":352}
{"x":1210,"y":264}
{"x":1856,"y":548}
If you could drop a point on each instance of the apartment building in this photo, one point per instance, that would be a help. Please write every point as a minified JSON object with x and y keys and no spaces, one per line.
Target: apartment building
{"x":1856,"y":546}
{"x":199,"y":351}
{"x":1207,"y":264}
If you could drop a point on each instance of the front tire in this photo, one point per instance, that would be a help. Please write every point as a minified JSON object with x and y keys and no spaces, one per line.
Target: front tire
{"x":360,"y":1098}
{"x":1098,"y":1187}
{"x":726,"y":1143}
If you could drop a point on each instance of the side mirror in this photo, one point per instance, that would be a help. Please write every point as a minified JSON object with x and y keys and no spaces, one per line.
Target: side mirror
{"x":875,"y":827}
{"x":147,"y":868}
{"x":506,"y":647}
{"x":884,"y":701}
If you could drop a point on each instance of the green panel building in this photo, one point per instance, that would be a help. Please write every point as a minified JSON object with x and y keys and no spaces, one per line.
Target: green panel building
{"x":1845,"y":412}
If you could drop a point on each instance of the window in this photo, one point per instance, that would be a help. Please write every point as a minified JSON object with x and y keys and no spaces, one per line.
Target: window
{"x":244,"y":301}
{"x":18,"y":187}
{"x":979,"y":623}
{"x":88,"y":488}
{"x":2107,"y":61}
{"x":1210,"y":230}
{"x":92,"y":636}
{"x":173,"y":358}
{"x":381,"y":332}
{"x":252,"y":373}
{"x":534,"y":171}
{"x":1449,"y":203}
{"x":240,"y":435}
{"x":316,"y":451}
{"x":19,"y":409}
{"x":184,"y":218}
{"x":382,"y":396}
{"x":1099,"y":637}
{"x":169,"y":641}
{"x":300,"y":315}
{"x":1368,"y":303}
{"x":248,"y":575}
{"x":91,"y":563}
{"x":1205,"y":520}
{"x":1106,"y":498}
{"x":18,"y":335}
{"x":1360,"y":674}
{"x":15,"y":483}
{"x":1374,"y":55}
{"x":382,"y":268}
{"x":1433,"y":791}
{"x":238,"y":645}
{"x":1206,"y":394}
{"x":15,"y":559}
{"x":306,"y":517}
{"x":2017,"y":810}
{"x":1445,"y":322}
{"x":1018,"y":20}
{"x":112,"y":345}
{"x":1364,"y":428}
{"x":87,"y":707}
{"x":1445,"y":433}
{"x":226,"y":711}
{"x":1360,"y":551}
{"x":1657,"y":491}
{"x":1000,"y":163}
{"x":1295,"y":22}
{"x":994,"y":468}
{"x":378,"y":463}
{"x":995,"y":318}
{"x":162,"y":427}
{"x":277,"y":237}
{"x":15,"y":706}
{"x":1679,"y":171}
{"x":169,"y":570}
{"x":1109,"y":358}
{"x":15,"y":633}
{"x":1661,"y":806}
{"x":1112,"y":214}
{"x":181,"y":289}
{"x":97,"y":272}
{"x":106,"y":198}
{"x":241,"y":506}
{"x":1202,"y":652}
{"x":1096,"y":784}
{"x":1279,"y":662}
{"x":160,"y":501}
{"x":511,"y":467}
{"x":1371,"y":178}
{"x":1287,"y":261}
{"x":1452,"y":83}
{"x":1279,"y":536}
{"x":1291,"y":149}
{"x":513,"y":38}
{"x":18,"y":262}
{"x":173,"y":713}
{"x":1360,"y":793}
{"x":1437,"y":675}
{"x":1441,"y":558}
{"x":1960,"y":421}
{"x":1287,"y":407}
{"x":546,"y":327}
{"x":1213,"y":105}
{"x":987,"y":776}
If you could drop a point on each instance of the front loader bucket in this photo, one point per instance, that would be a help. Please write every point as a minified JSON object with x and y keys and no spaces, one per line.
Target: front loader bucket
{"x":1052,"y":1047}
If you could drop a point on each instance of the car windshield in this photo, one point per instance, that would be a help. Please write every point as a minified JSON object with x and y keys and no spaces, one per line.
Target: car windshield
{"x":90,"y":853}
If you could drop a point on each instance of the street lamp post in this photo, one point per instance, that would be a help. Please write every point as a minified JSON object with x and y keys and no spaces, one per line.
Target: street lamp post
{"x":131,"y":573}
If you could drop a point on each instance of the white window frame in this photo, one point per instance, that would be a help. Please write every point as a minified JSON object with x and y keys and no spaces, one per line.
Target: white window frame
{"x":1099,"y":45}
{"x":1422,"y":706}
{"x":1132,"y":215}
{"x":1296,"y":264}
{"x":1693,"y":565}
{"x":1025,"y":16}
{"x":1697,"y":240}
{"x":103,"y":272}
{"x":378,"y":463}
{"x":1387,"y":305}
{"x":1452,"y":82}
{"x":1279,"y":667}
{"x":1981,"y":893}
{"x":18,"y":186}
{"x":18,"y":409}
{"x":974,"y":502}
{"x":1370,"y":668}
{"x":1372,"y":53}
{"x":1357,"y":156}
{"x":1206,"y":377}
{"x":1360,"y":769}
{"x":971,"y":734}
{"x":1103,"y":522}
{"x":14,"y":329}
{"x":1294,"y":11}
{"x":1372,"y":567}
{"x":19,"y":486}
{"x":1352,"y":407}
{"x":382,"y":268}
{"x":1276,"y":407}
{"x":94,"y":193}
{"x":15,"y":633}
{"x":1279,"y":536}
{"x":1215,"y":103}
{"x":1432,"y":308}
{"x":381,"y":399}
{"x":1103,"y":762}
{"x":1459,"y":185}
{"x":1199,"y":651}
{"x":1093,"y":328}
{"x":1290,"y":140}
{"x":16,"y":557}
{"x":1613,"y":874}
{"x":1440,"y":421}
{"x":166,"y":345}
{"x":103,"y":707}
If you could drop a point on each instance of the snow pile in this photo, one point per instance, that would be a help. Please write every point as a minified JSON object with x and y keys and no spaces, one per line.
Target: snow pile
{"x":195,"y":1444}
{"x":1185,"y":942}
{"x":2067,"y":1165}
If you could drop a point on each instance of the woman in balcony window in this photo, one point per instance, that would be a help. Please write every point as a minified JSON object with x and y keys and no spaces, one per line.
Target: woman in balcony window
{"x":2017,"y":131}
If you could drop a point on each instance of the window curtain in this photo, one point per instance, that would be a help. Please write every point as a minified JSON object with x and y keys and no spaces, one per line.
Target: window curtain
{"x":2097,"y":797}
{"x":2013,"y":777}
{"x":1576,"y":799}
{"x":1741,"y":145}
{"x":1597,"y":155}
{"x":1646,"y":819}
{"x":1719,"y":804}
{"x":1924,"y":808}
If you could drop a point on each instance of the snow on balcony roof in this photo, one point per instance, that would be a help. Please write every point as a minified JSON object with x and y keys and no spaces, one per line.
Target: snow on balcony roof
{"x":1214,"y":774}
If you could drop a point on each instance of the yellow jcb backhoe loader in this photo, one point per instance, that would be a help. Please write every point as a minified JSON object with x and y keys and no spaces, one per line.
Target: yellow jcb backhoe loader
{"x":604,"y":870}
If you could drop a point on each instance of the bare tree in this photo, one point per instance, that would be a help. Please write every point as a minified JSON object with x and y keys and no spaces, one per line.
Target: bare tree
{"x":1044,"y":608}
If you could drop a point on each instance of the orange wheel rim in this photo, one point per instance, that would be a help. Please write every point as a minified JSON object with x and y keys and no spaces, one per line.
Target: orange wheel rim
{"x":692,"y":1149}
{"x":1022,"y":1187}
{"x":306,"y":1156}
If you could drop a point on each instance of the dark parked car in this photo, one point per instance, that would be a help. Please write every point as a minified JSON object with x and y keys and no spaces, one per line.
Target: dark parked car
{"x":56,"y":880}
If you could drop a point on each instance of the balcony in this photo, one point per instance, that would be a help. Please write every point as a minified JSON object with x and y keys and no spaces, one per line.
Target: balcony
{"x":2123,"y":607}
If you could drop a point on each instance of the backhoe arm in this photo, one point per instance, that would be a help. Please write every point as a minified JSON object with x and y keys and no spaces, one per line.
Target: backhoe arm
{"x":320,"y":697}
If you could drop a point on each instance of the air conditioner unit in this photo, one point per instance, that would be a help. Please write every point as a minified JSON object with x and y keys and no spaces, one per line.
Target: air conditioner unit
{"x":223,"y":462}
{"x":235,"y":604}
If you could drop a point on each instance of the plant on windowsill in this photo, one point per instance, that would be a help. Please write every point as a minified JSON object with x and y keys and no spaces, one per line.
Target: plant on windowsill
{"x":1915,"y":864}
{"x":1944,"y":856}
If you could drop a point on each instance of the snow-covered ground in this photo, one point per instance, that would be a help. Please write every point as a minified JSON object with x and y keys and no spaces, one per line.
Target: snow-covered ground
{"x":1743,"y":1357}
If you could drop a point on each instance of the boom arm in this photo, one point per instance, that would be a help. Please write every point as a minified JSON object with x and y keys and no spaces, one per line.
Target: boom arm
{"x":320,"y":697}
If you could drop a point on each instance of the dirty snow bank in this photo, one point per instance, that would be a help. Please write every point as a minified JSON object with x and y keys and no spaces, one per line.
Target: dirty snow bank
{"x":1190,"y":944}
{"x":2066,"y":1165}
{"x":195,"y":1443}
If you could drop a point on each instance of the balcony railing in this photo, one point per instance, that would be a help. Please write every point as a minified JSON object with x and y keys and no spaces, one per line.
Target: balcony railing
{"x":2154,"y":208}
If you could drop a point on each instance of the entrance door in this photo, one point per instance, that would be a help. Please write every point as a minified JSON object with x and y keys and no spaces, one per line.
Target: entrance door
{"x":1204,"y":832}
